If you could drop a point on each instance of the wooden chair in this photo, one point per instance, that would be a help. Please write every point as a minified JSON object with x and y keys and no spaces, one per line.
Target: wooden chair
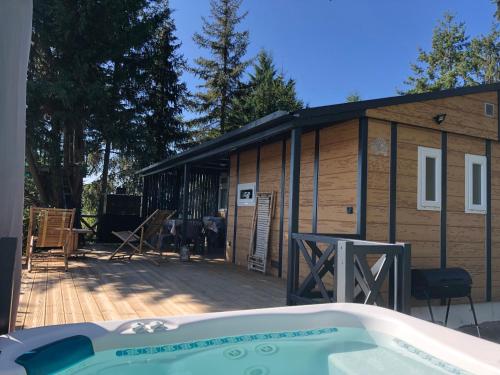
{"x":49,"y":228}
{"x":134,"y":243}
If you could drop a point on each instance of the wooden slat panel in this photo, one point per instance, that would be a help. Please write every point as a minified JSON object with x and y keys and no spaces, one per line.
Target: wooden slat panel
{"x":464,"y":114}
{"x":95,"y":290}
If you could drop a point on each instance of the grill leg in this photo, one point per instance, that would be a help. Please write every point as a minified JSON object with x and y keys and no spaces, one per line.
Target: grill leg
{"x":430,"y":310}
{"x":474,"y":315}
{"x":447,"y":312}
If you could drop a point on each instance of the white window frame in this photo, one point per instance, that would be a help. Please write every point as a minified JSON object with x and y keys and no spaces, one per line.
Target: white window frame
{"x":244,"y":201}
{"x":223,"y":186}
{"x":422,"y":203}
{"x":470,"y":207}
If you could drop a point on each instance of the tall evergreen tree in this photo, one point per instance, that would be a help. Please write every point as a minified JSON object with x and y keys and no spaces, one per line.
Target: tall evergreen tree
{"x":483,"y":58}
{"x":82,"y":66}
{"x":444,"y":66}
{"x":163,"y":94}
{"x":267,"y":91}
{"x":222,"y":71}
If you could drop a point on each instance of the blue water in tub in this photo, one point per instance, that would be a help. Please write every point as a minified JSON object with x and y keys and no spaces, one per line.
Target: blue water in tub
{"x":319,"y":351}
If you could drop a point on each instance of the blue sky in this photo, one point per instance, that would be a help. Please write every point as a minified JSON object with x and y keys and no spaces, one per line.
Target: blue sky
{"x":332,"y":48}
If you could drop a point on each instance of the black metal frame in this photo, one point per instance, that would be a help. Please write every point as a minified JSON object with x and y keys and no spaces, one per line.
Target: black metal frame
{"x":282,"y":207}
{"x":235,"y":219}
{"x":488,"y":222}
{"x":362,"y":177}
{"x":293,"y":209}
{"x":444,"y":199}
{"x":315,"y":182}
{"x":393,"y":182}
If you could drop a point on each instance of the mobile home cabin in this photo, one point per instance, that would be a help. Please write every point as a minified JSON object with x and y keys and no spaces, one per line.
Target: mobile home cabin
{"x":422,"y":169}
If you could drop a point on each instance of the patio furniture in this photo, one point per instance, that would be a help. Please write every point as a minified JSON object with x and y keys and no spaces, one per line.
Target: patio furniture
{"x":49,"y":228}
{"x":193,"y":234}
{"x":214,"y":230}
{"x":150,"y":229}
{"x":442,"y":283}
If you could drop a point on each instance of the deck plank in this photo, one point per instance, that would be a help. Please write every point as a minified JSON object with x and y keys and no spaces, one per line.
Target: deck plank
{"x":95,"y":289}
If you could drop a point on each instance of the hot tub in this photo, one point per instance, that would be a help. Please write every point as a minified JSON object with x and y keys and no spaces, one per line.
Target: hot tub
{"x":315,"y":339}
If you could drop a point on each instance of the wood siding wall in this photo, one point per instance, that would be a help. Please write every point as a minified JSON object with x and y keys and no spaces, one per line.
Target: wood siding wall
{"x":464,"y":114}
{"x":467,"y":130}
{"x":465,"y":232}
{"x":337,"y":179}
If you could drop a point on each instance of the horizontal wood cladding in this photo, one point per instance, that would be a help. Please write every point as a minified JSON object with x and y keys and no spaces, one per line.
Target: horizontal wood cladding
{"x":420,"y":228}
{"x":337,"y":179}
{"x":465,"y":231}
{"x":379,"y":152}
{"x":269,"y":180}
{"x":464,"y":114}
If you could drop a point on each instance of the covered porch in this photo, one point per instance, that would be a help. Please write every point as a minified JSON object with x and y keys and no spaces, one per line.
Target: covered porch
{"x":95,"y":289}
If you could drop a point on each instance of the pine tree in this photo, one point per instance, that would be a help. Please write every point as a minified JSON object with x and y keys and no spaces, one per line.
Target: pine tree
{"x":82,"y":64}
{"x":267,"y":91}
{"x":164,"y":94}
{"x":484,"y":57}
{"x":222,"y":71}
{"x":445,"y":65}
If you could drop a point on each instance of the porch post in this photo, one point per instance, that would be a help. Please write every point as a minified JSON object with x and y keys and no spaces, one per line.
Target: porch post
{"x":293,"y":214}
{"x":15,"y":37}
{"x":185,"y":200}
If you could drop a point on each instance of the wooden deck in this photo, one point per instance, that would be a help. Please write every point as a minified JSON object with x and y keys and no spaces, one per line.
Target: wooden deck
{"x":95,"y":289}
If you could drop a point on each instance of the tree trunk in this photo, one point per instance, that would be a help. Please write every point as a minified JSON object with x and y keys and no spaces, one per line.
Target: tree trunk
{"x":35,"y":174}
{"x":73,"y":167}
{"x":104,"y":179}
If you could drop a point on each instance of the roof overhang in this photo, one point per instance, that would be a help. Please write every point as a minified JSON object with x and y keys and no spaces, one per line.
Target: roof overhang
{"x":280,"y":123}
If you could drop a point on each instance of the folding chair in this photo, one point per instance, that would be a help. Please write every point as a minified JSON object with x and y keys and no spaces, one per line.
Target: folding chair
{"x":49,"y":228}
{"x":134,"y":243}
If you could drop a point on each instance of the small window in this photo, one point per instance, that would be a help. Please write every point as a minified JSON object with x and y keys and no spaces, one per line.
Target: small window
{"x":223,"y":190}
{"x":475,"y":183}
{"x":489,"y":109}
{"x":429,"y":179}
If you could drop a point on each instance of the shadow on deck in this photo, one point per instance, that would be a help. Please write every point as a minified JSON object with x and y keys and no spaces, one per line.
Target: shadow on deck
{"x":95,"y":289}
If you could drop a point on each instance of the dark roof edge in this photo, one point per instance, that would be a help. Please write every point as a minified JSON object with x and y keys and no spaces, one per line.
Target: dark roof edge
{"x":402,"y":99}
{"x":252,"y":127}
{"x":308,"y":117}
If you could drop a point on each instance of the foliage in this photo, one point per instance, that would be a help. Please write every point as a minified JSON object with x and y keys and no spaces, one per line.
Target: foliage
{"x":267,"y":91}
{"x":353,"y":97}
{"x":222,"y":71}
{"x":103,"y":86}
{"x":455,"y":59}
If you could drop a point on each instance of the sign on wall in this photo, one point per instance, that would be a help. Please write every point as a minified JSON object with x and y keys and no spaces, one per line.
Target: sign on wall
{"x":246,"y":194}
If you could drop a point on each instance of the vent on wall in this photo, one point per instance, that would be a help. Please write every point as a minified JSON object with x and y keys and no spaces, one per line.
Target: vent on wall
{"x":489,"y":109}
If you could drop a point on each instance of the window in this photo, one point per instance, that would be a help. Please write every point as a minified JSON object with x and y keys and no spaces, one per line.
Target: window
{"x":429,"y":179}
{"x":223,"y":186}
{"x":489,"y":109}
{"x":475,"y":183}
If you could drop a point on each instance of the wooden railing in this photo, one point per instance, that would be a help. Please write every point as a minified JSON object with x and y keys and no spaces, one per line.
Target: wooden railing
{"x":346,"y":263}
{"x":88,"y":224}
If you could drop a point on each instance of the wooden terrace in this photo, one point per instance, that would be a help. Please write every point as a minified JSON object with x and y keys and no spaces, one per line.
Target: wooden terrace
{"x":95,"y":289}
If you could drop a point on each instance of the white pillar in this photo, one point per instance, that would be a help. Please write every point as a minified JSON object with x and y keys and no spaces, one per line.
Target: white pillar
{"x":15,"y":37}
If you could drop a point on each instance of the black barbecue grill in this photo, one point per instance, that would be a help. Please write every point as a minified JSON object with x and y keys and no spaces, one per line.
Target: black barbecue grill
{"x":442,"y":283}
